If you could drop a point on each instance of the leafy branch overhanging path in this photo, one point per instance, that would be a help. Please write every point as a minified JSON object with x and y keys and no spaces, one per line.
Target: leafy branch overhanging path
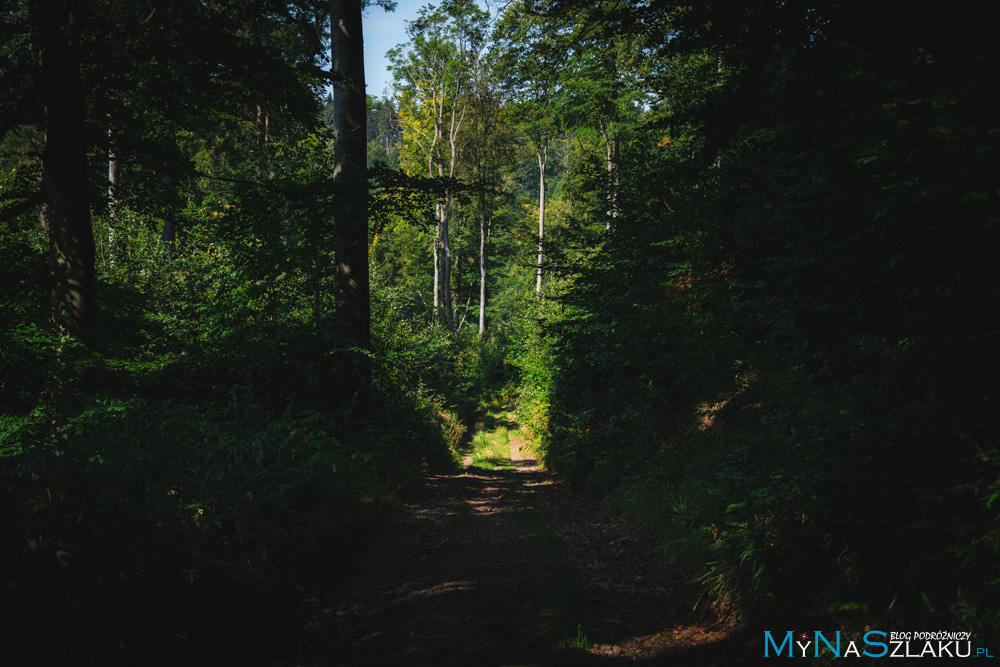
{"x":502,"y":564}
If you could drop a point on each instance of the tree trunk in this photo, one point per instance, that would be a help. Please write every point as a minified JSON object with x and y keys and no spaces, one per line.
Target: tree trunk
{"x":612,"y":212}
{"x":114,"y":176}
{"x":543,"y":156}
{"x":611,"y":153}
{"x":263,"y":124}
{"x":614,"y":179}
{"x":446,"y":262}
{"x":437,"y":263}
{"x":457,"y":296}
{"x":453,"y":130}
{"x":482,"y":272}
{"x":56,"y":27}
{"x":353,"y":314}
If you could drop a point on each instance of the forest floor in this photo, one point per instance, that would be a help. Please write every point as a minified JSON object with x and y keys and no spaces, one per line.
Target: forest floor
{"x":503,"y":564}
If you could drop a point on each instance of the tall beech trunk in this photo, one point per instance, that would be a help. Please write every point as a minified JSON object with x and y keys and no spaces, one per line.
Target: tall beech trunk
{"x":114,"y":177}
{"x":56,"y":28}
{"x":457,"y":296}
{"x":446,"y":261}
{"x":454,"y":127}
{"x":437,"y":265}
{"x":482,"y":272}
{"x":543,"y":157}
{"x":611,"y":155}
{"x":353,"y":314}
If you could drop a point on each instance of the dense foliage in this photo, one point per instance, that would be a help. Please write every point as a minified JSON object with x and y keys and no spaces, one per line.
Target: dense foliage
{"x":732,"y":261}
{"x":782,"y":356}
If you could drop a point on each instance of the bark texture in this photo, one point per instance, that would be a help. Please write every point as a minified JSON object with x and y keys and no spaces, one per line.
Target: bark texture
{"x":114,"y":177}
{"x":56,"y":26}
{"x":543,"y":157}
{"x":353,"y":314}
{"x":483,"y":273}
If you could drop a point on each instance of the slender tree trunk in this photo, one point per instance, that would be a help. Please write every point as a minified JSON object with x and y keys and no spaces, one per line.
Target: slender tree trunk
{"x":437,"y":263}
{"x":114,"y":172}
{"x":482,"y":272}
{"x":438,"y":215}
{"x":614,"y":178}
{"x":353,"y":314}
{"x":611,"y":151}
{"x":453,"y":130}
{"x":56,"y":28}
{"x":114,"y":177}
{"x":543,"y":156}
{"x":458,"y":282}
{"x":446,"y":261}
{"x":263,"y":124}
{"x":611,"y":184}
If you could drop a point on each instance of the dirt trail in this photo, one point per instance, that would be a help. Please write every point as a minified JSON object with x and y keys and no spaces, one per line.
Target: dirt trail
{"x":506,"y":567}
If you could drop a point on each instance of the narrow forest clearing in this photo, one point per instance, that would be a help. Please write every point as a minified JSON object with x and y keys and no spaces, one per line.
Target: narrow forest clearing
{"x":500,"y":563}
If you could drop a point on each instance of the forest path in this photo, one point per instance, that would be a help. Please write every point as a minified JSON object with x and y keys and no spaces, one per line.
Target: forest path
{"x":503,"y":564}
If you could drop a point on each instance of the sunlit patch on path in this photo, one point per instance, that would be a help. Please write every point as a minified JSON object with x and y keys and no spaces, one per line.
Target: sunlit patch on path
{"x":523,"y":460}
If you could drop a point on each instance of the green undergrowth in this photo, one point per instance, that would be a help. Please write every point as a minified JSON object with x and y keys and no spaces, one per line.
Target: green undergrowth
{"x":491,"y":450}
{"x":167,"y":490}
{"x":490,"y":444}
{"x":144,"y":521}
{"x":794,"y":500}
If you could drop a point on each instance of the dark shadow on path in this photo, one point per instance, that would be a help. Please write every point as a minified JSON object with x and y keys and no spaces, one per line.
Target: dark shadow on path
{"x":478,"y":569}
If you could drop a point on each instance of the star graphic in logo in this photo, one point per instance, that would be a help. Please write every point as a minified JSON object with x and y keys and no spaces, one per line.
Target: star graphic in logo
{"x":803,"y":636}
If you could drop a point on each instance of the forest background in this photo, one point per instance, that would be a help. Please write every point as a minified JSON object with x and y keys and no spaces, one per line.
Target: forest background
{"x":734,"y":263}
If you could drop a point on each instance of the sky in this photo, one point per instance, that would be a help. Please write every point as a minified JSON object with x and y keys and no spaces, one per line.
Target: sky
{"x":382,"y":31}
